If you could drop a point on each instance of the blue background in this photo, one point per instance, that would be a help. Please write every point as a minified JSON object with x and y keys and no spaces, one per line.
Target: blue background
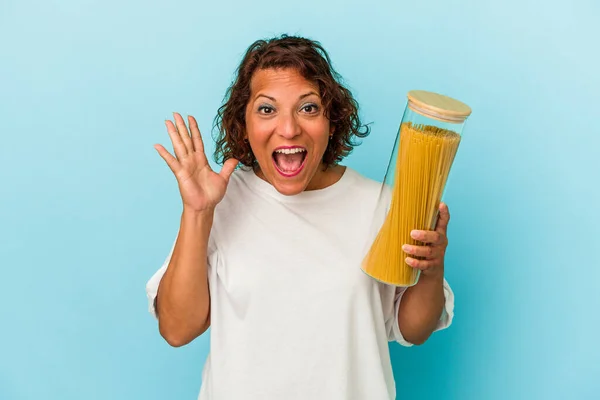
{"x":89,"y":210}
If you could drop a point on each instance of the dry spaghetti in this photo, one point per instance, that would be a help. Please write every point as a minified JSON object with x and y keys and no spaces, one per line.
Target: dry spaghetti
{"x":423,"y":163}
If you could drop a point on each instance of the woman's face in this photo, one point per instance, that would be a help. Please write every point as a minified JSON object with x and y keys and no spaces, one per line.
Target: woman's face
{"x":287,"y":130}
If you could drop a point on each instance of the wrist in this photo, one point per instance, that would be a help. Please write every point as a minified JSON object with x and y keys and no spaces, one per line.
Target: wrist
{"x":202,"y":218}
{"x":436,"y":276}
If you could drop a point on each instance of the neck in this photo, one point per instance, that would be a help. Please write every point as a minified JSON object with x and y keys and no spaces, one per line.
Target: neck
{"x":326,"y":177}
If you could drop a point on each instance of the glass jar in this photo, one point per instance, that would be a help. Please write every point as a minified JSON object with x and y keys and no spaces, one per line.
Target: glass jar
{"x":415,"y":180}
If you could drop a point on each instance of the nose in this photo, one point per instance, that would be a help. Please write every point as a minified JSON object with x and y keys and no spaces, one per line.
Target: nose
{"x":288,"y":127}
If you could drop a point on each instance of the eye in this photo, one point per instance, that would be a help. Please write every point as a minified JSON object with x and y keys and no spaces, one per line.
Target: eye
{"x":265,"y":110}
{"x":310,"y":108}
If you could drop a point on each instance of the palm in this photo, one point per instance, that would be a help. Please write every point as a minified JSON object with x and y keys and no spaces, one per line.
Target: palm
{"x":200,"y":187}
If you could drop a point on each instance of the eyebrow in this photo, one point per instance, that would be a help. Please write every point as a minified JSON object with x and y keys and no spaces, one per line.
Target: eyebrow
{"x":275,"y":100}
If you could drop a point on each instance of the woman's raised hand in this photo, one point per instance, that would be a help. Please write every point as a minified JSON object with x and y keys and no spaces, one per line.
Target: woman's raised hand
{"x":200,"y":187}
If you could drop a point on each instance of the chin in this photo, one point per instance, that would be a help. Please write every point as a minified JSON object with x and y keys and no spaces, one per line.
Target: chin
{"x":290,"y":189}
{"x":289,"y":186}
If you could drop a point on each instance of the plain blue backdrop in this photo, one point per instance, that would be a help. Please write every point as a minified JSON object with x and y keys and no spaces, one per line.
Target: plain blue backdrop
{"x":89,"y":210}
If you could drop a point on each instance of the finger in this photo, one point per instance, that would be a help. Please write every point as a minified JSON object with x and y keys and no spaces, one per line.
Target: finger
{"x":228,"y":168}
{"x":420,"y":264}
{"x":443,"y":219}
{"x":178,"y":145}
{"x":430,"y":237}
{"x":196,"y":137}
{"x":183,"y":132}
{"x":428,"y":252}
{"x":169,"y":159}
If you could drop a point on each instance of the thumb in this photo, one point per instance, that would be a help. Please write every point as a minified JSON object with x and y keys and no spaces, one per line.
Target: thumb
{"x":228,"y":168}
{"x":443,"y":219}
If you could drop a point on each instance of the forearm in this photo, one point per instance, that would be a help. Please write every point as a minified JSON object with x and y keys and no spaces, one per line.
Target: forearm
{"x":421,"y":308}
{"x":183,"y":300}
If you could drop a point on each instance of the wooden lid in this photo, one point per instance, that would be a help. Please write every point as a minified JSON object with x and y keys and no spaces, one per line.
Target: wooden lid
{"x":438,"y":106}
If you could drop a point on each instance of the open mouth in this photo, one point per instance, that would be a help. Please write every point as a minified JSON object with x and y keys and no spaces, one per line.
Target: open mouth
{"x":289,"y":161}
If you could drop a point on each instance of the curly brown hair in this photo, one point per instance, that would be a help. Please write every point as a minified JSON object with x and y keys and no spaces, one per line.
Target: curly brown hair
{"x":311,"y":60}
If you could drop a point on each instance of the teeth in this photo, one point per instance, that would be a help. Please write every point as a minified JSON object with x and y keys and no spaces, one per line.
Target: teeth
{"x":290,"y":151}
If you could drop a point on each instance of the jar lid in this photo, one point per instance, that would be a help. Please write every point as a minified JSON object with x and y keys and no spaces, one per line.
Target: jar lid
{"x":438,"y":106}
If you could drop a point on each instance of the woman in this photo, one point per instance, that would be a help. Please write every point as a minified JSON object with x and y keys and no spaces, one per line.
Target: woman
{"x":269,"y":255}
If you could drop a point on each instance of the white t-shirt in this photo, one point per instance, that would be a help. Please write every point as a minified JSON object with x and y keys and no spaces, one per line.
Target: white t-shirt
{"x":293,"y":317}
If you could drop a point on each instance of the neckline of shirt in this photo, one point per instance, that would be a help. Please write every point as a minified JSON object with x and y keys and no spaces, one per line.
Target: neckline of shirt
{"x":254,"y":181}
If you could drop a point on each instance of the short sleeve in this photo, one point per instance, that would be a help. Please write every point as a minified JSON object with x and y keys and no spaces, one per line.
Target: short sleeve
{"x":154,"y":282}
{"x":444,"y":322}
